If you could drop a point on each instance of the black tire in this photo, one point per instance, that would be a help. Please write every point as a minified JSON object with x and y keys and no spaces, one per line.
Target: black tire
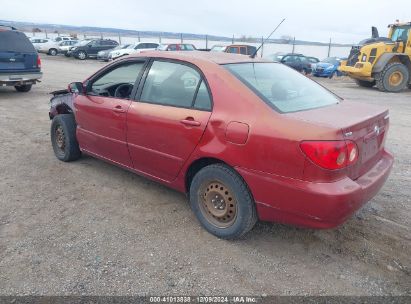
{"x":383,"y":78}
{"x":66,"y":54}
{"x":23,"y":88}
{"x":245,"y":215}
{"x":81,"y":55}
{"x":332,"y":75}
{"x":52,"y":52}
{"x":65,"y":146}
{"x":365,"y":84}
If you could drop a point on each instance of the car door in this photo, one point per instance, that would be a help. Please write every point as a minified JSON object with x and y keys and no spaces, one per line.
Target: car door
{"x":168,"y":118}
{"x":101,"y":113}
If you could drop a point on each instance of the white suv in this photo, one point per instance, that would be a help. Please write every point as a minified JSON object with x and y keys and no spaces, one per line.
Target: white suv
{"x":133,"y":48}
{"x":52,"y":46}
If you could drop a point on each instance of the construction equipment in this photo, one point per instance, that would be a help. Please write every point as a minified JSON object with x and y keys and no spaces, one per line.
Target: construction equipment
{"x":382,"y":62}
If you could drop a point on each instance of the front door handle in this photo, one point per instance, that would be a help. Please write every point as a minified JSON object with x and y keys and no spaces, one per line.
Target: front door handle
{"x":189,"y":121}
{"x":119,"y":109}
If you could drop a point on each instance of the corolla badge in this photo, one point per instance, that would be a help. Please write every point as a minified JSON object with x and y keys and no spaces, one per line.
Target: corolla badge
{"x":377,"y":130}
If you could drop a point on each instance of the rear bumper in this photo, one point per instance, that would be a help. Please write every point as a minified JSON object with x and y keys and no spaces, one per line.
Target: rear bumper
{"x":15,"y":78}
{"x":314,"y":205}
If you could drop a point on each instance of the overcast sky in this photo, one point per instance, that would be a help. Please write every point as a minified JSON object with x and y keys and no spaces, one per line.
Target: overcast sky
{"x":344,"y":21}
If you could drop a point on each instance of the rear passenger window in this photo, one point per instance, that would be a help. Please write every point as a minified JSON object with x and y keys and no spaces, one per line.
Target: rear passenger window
{"x":171,"y":84}
{"x":233,"y":50}
{"x":203,"y":100}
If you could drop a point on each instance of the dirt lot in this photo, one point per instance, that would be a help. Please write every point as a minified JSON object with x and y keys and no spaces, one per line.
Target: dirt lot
{"x":88,"y":227}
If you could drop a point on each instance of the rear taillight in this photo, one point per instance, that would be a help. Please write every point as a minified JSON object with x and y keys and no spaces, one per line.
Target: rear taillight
{"x":38,"y":62}
{"x":332,"y":155}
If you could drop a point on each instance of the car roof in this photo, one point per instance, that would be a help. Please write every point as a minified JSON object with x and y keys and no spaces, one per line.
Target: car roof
{"x":201,"y":57}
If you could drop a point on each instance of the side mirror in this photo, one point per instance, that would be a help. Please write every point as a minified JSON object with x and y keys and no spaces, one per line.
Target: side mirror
{"x":76,"y":88}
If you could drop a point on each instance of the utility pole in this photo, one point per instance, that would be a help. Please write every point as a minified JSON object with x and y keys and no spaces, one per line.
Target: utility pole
{"x":119,"y":38}
{"x":329,"y":48}
{"x":206,"y":41}
{"x":293,"y":45}
{"x":262,"y":46}
{"x":138,"y":35}
{"x":232,"y":41}
{"x":181,"y":37}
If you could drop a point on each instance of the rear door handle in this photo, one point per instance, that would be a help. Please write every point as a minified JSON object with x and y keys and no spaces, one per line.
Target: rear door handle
{"x":119,"y":109}
{"x":189,"y":121}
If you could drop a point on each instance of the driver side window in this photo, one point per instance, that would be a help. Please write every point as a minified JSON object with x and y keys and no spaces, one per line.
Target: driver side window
{"x":118,"y":82}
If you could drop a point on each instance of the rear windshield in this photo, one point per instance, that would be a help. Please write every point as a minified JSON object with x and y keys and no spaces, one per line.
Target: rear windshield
{"x":14,"y":41}
{"x":281,"y":87}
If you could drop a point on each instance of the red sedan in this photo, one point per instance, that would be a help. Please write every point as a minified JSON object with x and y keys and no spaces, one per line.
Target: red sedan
{"x":245,"y":138}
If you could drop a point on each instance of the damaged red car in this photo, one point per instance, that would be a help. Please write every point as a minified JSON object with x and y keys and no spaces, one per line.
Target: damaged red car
{"x":246,"y":139}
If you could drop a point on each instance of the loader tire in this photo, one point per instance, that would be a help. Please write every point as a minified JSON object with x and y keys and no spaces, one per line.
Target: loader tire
{"x":393,"y":78}
{"x":365,"y":84}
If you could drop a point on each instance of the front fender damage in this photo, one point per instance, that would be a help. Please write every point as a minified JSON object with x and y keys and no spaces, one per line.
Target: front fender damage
{"x":62,"y":102}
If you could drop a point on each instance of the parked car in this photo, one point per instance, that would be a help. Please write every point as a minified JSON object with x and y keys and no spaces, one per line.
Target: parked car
{"x":134,"y":48}
{"x":243,"y":49}
{"x":52,"y":46}
{"x":246,"y":139}
{"x":20,"y":65}
{"x":296,"y":61}
{"x":312,"y":60}
{"x":276,"y":57}
{"x":327,"y":67}
{"x":89,"y":48}
{"x":37,"y":42}
{"x":65,"y":46}
{"x":176,"y":47}
{"x":105,"y":55}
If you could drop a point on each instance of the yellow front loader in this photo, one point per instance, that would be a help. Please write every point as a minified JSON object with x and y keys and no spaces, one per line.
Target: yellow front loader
{"x":382,"y":62}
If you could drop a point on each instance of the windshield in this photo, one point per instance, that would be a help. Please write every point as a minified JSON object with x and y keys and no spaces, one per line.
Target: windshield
{"x":82,"y":42}
{"x":332,"y":60}
{"x":281,"y":87}
{"x":400,"y":33}
{"x":218,"y":48}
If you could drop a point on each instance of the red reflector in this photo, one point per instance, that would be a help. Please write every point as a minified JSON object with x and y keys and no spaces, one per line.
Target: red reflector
{"x":38,"y":61}
{"x":331,"y":155}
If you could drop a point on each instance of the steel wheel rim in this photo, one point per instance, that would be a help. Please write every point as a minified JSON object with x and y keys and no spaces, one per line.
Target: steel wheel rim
{"x":82,"y":55}
{"x":60,"y":138}
{"x":218,"y":204}
{"x":396,"y":78}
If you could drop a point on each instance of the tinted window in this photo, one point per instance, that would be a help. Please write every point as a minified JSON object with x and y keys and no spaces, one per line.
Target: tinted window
{"x":203,"y":100}
{"x":152,"y":45}
{"x":281,"y":87}
{"x":243,"y":50}
{"x":170,"y":84}
{"x":251,"y":50}
{"x":125,"y":74}
{"x":187,"y":47}
{"x":232,"y":49}
{"x":172,"y":47}
{"x":13,"y":41}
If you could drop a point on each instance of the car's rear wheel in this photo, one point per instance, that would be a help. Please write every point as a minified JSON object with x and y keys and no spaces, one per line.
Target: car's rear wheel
{"x":63,"y":138}
{"x":23,"y":88}
{"x":365,"y":84}
{"x":52,"y":52}
{"x":222,"y":202}
{"x":82,"y":55}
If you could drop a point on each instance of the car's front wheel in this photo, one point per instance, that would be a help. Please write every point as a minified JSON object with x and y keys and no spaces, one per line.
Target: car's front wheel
{"x":222,"y":202}
{"x":23,"y":88}
{"x":82,"y":55}
{"x":63,"y":138}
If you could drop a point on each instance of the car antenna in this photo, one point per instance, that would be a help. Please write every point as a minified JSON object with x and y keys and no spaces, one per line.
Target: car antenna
{"x":255,"y":53}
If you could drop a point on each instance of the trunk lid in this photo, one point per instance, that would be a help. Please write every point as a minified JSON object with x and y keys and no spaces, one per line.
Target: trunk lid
{"x":366,"y":125}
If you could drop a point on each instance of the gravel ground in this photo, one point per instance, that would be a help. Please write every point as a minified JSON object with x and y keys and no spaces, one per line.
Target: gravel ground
{"x":88,"y":227}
